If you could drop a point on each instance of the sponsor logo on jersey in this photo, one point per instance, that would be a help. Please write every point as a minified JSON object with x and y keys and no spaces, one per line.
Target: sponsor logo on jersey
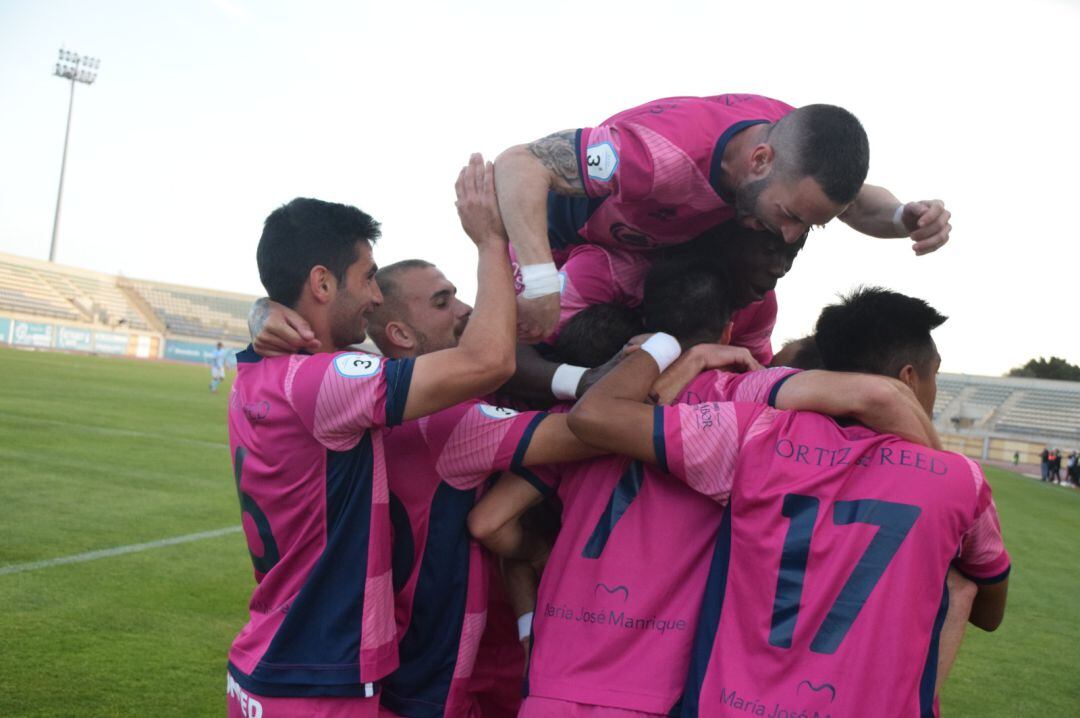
{"x":356,"y":366}
{"x":601,"y":161}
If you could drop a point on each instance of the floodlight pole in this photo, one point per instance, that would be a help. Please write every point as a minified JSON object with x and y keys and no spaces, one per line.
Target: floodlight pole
{"x":70,"y":67}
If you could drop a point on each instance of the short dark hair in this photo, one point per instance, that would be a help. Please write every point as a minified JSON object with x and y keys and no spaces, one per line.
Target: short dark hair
{"x":306,"y":233}
{"x":596,"y":333}
{"x":387,"y":277}
{"x":824,"y":142}
{"x":799,"y":354}
{"x":688,"y":297}
{"x":877,"y":331}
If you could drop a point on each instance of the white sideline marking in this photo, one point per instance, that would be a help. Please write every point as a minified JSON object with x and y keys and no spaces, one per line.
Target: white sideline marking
{"x":114,"y":432}
{"x":115,"y":551}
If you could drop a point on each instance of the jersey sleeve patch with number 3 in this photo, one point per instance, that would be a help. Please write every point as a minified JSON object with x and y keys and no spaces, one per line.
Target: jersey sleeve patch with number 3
{"x":356,"y":366}
{"x":497,"y":412}
{"x":601,"y":161}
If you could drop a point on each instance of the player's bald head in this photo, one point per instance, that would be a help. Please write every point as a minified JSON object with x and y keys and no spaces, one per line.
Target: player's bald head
{"x":393,"y":307}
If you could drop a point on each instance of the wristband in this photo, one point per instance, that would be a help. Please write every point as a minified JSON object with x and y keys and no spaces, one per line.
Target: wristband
{"x":898,"y":221}
{"x":525,"y":626}
{"x":663,"y":348}
{"x":564,"y":382}
{"x":539,"y":280}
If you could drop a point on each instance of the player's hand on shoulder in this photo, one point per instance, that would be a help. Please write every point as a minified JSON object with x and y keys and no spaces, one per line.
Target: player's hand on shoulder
{"x":476,"y":204}
{"x":927,"y":223}
{"x":278,"y":330}
{"x":725,"y":357}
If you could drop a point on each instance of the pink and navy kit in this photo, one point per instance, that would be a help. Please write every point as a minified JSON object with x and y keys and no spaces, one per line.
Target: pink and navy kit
{"x":437,"y":466}
{"x":305,"y":434}
{"x":827,"y":581}
{"x":622,"y":590}
{"x":653,"y":173}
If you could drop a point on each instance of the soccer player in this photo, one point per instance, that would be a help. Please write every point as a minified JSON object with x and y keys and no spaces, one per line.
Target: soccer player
{"x":826,"y":590}
{"x":217,"y":367}
{"x":620,"y":597}
{"x":666,"y":171}
{"x":436,"y":467}
{"x":306,"y":435}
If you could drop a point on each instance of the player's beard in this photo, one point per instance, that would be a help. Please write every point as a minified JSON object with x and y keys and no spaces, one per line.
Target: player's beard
{"x":746,"y":198}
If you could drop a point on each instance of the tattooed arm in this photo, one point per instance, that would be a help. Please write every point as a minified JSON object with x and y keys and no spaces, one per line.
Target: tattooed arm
{"x":524,"y":175}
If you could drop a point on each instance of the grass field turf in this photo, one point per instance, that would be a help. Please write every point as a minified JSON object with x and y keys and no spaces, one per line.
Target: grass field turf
{"x":98,"y":453}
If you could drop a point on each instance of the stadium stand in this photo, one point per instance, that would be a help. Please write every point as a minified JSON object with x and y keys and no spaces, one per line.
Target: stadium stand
{"x":197,"y":313}
{"x":177,"y":322}
{"x":1007,"y":414}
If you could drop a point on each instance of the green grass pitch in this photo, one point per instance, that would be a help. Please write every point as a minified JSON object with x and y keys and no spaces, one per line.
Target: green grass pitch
{"x":98,"y":453}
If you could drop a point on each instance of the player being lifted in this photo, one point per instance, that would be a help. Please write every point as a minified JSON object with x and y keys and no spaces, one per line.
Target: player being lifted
{"x":666,"y":171}
{"x":849,"y":533}
{"x":307,"y":442}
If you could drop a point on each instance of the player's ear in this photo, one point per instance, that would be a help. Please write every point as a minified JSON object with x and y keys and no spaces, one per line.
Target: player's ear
{"x":400,"y":335}
{"x":321,"y":283}
{"x":761,"y":160}
{"x":725,"y":336}
{"x":909,"y":376}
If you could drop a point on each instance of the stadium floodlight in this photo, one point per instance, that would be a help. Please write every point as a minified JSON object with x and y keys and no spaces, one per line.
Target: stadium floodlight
{"x":76,"y":68}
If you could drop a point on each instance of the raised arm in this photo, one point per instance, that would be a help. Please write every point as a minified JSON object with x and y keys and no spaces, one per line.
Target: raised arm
{"x":484,"y":357}
{"x":878,"y":213}
{"x":524,"y":175}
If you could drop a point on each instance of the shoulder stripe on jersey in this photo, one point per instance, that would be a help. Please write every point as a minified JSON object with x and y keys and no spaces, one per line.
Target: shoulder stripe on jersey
{"x":398,"y":378}
{"x":776,"y":390}
{"x":709,"y":621}
{"x":526,"y":439}
{"x":516,"y":464}
{"x":659,"y":445}
{"x":988,"y":581}
{"x":583,"y":170}
{"x":716,"y":172}
{"x":621,"y":497}
{"x":248,"y":356}
{"x":929,"y":676}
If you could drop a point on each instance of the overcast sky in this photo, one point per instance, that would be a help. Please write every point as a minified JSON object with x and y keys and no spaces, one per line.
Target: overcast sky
{"x":208,"y":114}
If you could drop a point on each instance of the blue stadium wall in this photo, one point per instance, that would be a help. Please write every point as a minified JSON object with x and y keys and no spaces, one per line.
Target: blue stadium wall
{"x":65,"y":337}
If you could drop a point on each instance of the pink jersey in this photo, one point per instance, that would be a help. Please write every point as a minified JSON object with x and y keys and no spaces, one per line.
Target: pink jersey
{"x":653,"y":173}
{"x":599,"y":275}
{"x":826,"y":591}
{"x":436,"y":466}
{"x":620,"y":596}
{"x":310,"y":474}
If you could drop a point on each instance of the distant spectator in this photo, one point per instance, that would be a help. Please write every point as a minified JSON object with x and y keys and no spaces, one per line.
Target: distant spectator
{"x":1016,"y":458}
{"x":1074,"y":468}
{"x":1055,"y":466}
{"x":1044,"y":462}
